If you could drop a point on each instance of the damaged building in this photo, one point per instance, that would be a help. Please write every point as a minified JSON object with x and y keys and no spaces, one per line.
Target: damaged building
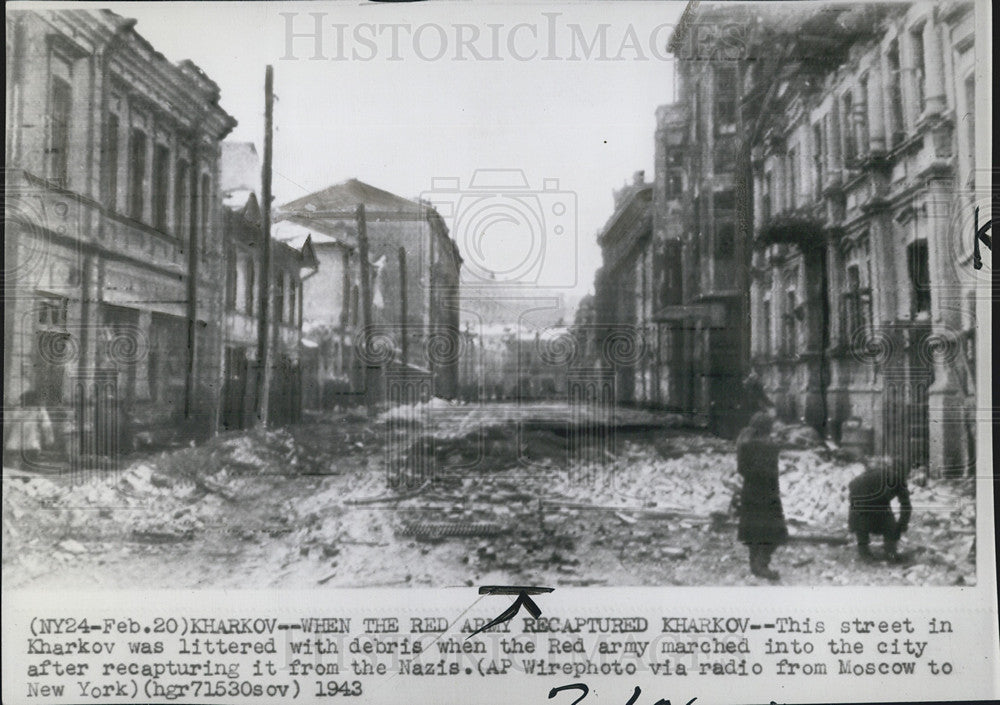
{"x":809,"y":179}
{"x":413,"y":280}
{"x":863,"y":325}
{"x":112,"y":309}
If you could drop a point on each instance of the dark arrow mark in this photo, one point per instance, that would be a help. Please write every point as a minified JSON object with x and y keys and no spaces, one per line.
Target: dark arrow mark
{"x":523,"y":600}
{"x":977,"y":259}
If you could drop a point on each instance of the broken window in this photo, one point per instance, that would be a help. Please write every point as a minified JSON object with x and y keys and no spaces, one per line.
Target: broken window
{"x":52,"y":339}
{"x":861,"y":119}
{"x":248,"y":282}
{"x":724,"y":254}
{"x":895,"y":94}
{"x":52,"y":312}
{"x":675,"y":184}
{"x":793,"y":168}
{"x":231,"y":278}
{"x":847,"y":129}
{"x":167,"y":360}
{"x":766,"y":327}
{"x":109,"y":162}
{"x":920,"y":279}
{"x":856,"y":304}
{"x":279,"y":297}
{"x":917,"y":50}
{"x":765,"y":198}
{"x":206,"y":211}
{"x":136,"y":173}
{"x":819,"y":158}
{"x":725,"y":100}
{"x":789,"y":332}
{"x":181,"y":214}
{"x":60,"y":107}
{"x":672,"y":272}
{"x":161,"y":185}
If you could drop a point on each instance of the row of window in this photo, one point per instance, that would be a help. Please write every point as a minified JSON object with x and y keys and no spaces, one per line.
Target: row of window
{"x":147,"y":201}
{"x":241,"y":274}
{"x":847,"y":123}
{"x":855,"y":309}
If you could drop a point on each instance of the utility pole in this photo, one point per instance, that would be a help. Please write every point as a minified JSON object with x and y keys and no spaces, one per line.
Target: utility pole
{"x":263,"y":323}
{"x":404,"y":343}
{"x":366,"y":302}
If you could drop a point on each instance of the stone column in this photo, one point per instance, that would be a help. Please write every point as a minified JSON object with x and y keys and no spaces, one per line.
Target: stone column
{"x":883,"y":285}
{"x":876,"y":109}
{"x":886,"y":80}
{"x":834,"y":142}
{"x":837,"y":401}
{"x":813,"y":295}
{"x":934,"y":97}
{"x":859,"y":119}
{"x":756,"y":297}
{"x":947,"y":442}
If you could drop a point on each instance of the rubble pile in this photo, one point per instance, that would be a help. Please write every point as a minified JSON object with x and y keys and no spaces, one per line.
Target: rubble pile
{"x":500,"y":498}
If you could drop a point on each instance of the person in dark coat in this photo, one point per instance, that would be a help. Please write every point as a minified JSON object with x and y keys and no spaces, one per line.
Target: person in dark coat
{"x":762,"y":521}
{"x":870,"y":512}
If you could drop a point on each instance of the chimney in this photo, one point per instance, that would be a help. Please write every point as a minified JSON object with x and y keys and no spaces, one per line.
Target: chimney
{"x":639,"y":178}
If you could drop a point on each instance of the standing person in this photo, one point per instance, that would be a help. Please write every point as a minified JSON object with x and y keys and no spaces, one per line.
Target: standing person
{"x":870,"y":510}
{"x":762,"y":521}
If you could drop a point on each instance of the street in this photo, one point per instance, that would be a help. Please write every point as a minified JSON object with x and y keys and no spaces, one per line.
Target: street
{"x":503,"y":494}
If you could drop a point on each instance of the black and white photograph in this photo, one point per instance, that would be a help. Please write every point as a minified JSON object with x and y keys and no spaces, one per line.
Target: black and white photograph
{"x":267,"y":357}
{"x":436,"y":295}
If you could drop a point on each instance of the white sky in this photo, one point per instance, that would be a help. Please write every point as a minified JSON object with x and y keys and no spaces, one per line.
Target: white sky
{"x":399,"y":123}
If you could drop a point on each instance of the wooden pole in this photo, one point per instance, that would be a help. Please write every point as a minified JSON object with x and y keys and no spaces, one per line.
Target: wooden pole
{"x":366,"y":300}
{"x":263,"y":324}
{"x":404,"y":343}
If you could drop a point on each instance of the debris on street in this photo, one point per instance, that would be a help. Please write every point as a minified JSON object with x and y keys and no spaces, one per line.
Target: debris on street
{"x":507,"y":497}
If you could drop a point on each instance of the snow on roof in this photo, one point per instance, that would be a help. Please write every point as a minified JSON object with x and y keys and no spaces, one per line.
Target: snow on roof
{"x":237,"y":199}
{"x":345,"y":197}
{"x":294,"y":234}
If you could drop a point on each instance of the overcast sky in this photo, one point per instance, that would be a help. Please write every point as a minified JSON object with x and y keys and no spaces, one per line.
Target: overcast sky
{"x":514,"y":89}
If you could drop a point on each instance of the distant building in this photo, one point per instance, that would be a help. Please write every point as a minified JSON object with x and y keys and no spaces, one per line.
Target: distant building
{"x":242,"y":234}
{"x":330,"y":311}
{"x":414,"y":275}
{"x":112,"y":304}
{"x":625,"y":335}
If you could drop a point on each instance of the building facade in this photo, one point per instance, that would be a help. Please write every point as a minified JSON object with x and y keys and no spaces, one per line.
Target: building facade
{"x":700,"y":306}
{"x":812,"y":177}
{"x":414,"y":268}
{"x":330,"y":310}
{"x":245,"y":270}
{"x":625,"y":333}
{"x":112,"y":313}
{"x":863,"y":321}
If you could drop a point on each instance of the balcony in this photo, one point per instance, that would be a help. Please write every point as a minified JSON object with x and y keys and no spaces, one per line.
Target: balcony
{"x":801,"y":227}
